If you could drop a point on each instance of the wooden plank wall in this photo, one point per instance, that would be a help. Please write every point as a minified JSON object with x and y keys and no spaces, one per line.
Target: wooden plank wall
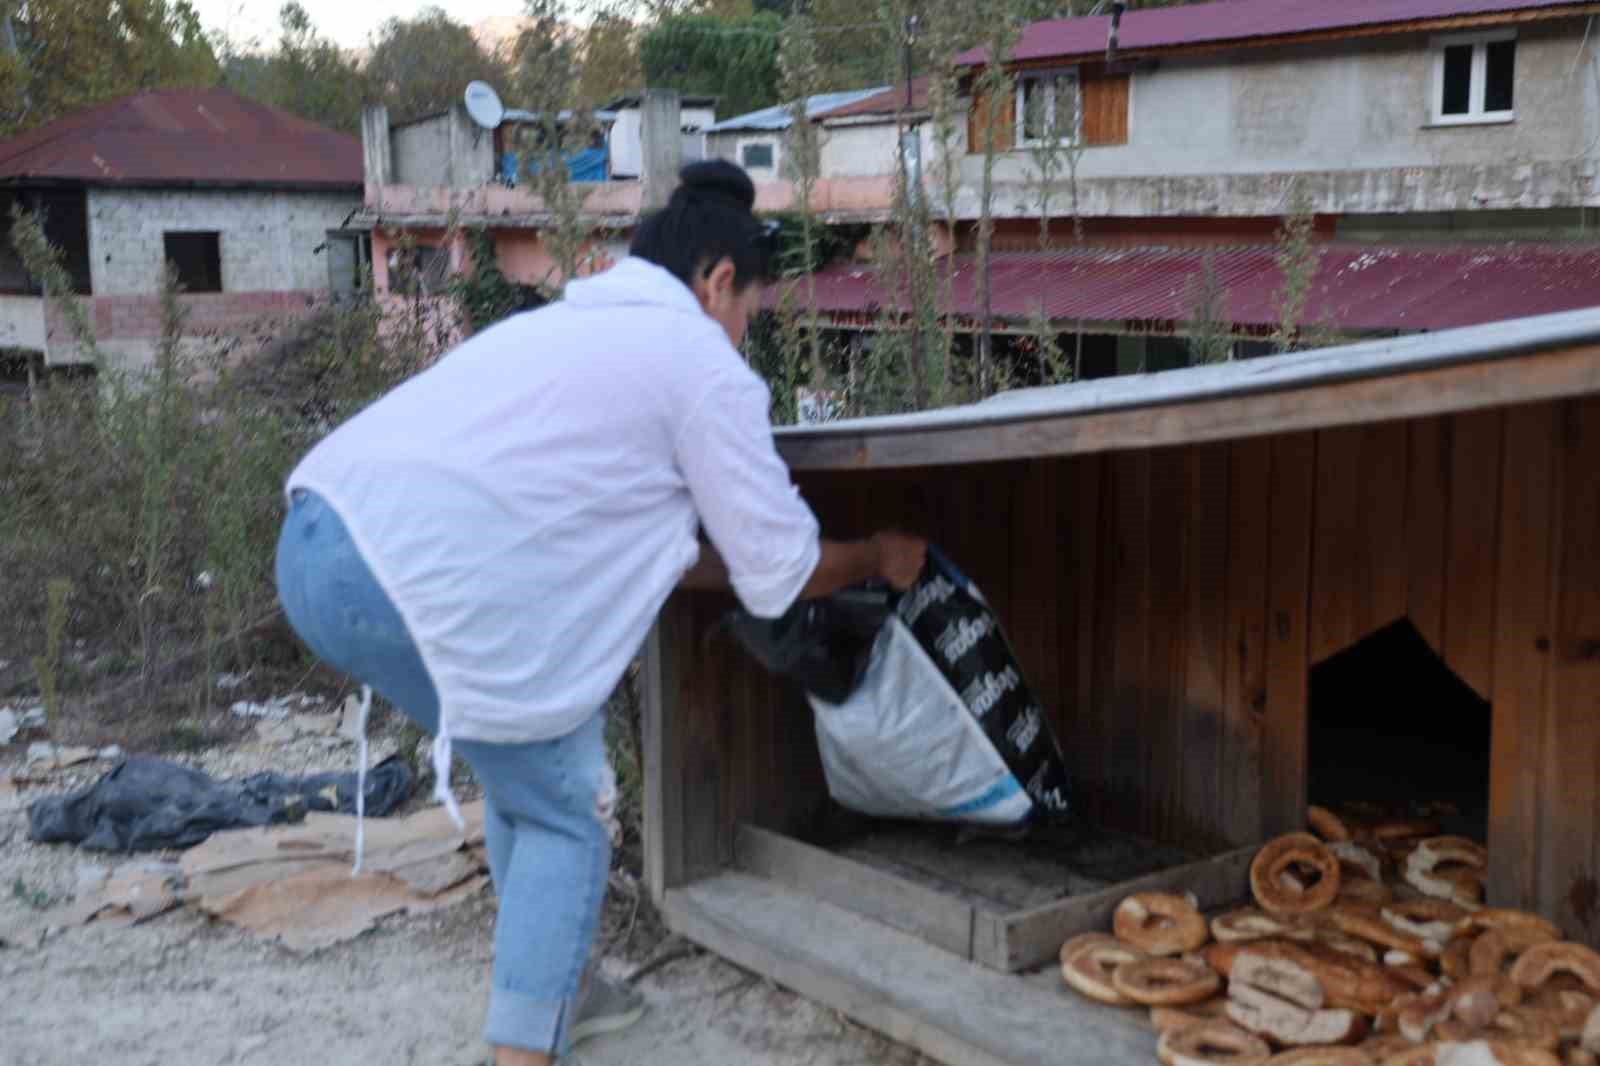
{"x":1169,"y":604}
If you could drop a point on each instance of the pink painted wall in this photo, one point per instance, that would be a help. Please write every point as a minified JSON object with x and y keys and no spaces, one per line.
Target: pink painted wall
{"x":521,"y":254}
{"x":618,"y":198}
{"x":523,"y":257}
{"x":385,"y":241}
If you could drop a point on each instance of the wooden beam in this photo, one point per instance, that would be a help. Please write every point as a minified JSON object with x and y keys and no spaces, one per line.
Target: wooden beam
{"x":1123,"y":706}
{"x":956,"y":1012}
{"x":1245,"y":684}
{"x":1521,"y":653}
{"x":1206,"y":667}
{"x":1382,"y":599}
{"x":663,"y":750}
{"x":936,"y":917}
{"x":1468,"y":387}
{"x":1471,"y":543}
{"x":1335,"y":573}
{"x":1166,"y":632}
{"x":1283,"y":740}
{"x":1569,"y":892}
{"x":1429,"y":445}
{"x":1025,"y":939}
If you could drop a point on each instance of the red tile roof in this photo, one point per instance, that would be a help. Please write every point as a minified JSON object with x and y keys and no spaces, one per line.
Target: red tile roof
{"x":1245,"y":22}
{"x":1356,"y":287}
{"x":184,"y":137}
{"x":887,"y":102}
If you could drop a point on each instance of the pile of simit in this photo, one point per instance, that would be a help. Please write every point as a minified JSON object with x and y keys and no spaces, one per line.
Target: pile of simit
{"x":1368,"y":947}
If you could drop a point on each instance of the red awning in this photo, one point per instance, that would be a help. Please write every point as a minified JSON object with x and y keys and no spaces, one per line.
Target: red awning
{"x":1355,"y":287}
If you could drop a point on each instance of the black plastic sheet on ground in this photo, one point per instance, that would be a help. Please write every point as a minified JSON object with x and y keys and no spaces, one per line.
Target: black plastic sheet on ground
{"x":149,"y":804}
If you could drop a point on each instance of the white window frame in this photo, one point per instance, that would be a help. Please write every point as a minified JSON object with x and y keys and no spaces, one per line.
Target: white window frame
{"x":771,"y":145}
{"x":1076,"y":136}
{"x":1477,"y":83}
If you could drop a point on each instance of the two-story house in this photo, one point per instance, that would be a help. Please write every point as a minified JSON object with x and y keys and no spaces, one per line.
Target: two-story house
{"x":429,"y":181}
{"x":1450,"y":151}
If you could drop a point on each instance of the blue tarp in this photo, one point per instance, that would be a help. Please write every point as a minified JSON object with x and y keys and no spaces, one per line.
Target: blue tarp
{"x":591,"y":164}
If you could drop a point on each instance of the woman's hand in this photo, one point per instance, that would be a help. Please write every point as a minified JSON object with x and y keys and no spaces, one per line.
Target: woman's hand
{"x":900,"y":557}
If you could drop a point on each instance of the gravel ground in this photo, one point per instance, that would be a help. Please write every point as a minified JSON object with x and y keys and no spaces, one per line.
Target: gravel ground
{"x":182,"y":990}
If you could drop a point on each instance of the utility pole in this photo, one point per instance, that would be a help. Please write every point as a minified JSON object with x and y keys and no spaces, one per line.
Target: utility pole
{"x":8,"y":41}
{"x":911,"y":38}
{"x":911,"y":237}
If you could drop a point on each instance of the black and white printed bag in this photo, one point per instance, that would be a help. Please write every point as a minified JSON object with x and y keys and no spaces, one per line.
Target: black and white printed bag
{"x":937,"y":721}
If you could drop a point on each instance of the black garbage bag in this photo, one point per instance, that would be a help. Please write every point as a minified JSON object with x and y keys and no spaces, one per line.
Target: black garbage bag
{"x":822,"y":645}
{"x":150,"y":804}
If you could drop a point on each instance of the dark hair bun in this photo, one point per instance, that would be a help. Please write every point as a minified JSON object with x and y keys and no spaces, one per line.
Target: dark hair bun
{"x":717,"y":179}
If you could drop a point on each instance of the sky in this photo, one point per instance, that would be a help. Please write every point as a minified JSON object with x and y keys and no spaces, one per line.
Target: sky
{"x":348,"y":22}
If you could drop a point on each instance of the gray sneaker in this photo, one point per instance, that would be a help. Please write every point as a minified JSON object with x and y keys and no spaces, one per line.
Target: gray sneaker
{"x":603,"y":1007}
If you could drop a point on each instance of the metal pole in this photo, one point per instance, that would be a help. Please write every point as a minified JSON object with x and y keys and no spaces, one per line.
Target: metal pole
{"x":911,"y":236}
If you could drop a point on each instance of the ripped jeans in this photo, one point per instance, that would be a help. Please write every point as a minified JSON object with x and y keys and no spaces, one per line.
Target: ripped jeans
{"x":547,"y":802}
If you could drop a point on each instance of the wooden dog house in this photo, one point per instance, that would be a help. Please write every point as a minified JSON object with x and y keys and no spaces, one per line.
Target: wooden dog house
{"x":1172,"y":556}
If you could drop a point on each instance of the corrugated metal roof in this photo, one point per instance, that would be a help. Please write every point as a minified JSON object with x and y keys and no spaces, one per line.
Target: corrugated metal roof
{"x":686,"y":100}
{"x":1355,"y":287}
{"x":1242,"y":21}
{"x":887,"y":102}
{"x":182,"y":137}
{"x":778,"y":117}
{"x":1325,"y":366}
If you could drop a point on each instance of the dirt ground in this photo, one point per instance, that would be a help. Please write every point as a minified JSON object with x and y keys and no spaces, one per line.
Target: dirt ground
{"x":182,"y":990}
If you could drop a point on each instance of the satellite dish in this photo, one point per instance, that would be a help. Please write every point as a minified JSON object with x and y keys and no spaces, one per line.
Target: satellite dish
{"x":484,"y":106}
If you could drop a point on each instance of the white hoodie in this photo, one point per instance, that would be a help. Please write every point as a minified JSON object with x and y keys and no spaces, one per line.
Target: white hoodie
{"x":529,"y":502}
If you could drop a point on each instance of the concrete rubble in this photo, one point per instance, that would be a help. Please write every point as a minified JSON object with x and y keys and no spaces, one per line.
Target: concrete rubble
{"x":277,"y":708}
{"x":16,"y":719}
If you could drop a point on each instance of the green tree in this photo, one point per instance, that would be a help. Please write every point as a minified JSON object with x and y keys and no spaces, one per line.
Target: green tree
{"x":735,"y":60}
{"x":1210,"y":331}
{"x":306,"y":74}
{"x":996,"y":88}
{"x":548,"y":65}
{"x":946,"y":31}
{"x":611,"y":64}
{"x":71,"y":54}
{"x":312,"y":76}
{"x":422,"y":65}
{"x":799,"y":62}
{"x":1297,"y":263}
{"x":545,"y":60}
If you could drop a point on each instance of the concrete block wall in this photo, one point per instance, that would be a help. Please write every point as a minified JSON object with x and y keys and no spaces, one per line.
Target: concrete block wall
{"x":1352,"y":115}
{"x":268,"y":239}
{"x":448,"y":149}
{"x":127,"y":329}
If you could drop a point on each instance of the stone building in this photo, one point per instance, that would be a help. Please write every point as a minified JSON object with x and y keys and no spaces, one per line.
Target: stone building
{"x":247,"y":203}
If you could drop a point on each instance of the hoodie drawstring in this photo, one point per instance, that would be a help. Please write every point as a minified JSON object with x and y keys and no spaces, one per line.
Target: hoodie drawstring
{"x":441,"y":775}
{"x":441,"y":779}
{"x":361,"y":780}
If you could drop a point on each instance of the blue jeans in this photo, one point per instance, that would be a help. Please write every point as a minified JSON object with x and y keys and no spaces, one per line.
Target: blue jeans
{"x":546,"y":802}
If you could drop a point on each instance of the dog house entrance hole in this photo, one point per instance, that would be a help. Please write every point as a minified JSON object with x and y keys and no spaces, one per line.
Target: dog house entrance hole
{"x":1391,"y":724}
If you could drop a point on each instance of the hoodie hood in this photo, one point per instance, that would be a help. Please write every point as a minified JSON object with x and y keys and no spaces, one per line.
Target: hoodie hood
{"x":634,"y":282}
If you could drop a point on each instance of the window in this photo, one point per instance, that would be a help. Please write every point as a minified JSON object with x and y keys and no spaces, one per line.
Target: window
{"x":1048,"y":104}
{"x":423,"y":270}
{"x":349,"y":259}
{"x":197,"y":259}
{"x":756,"y":156}
{"x":911,"y":157}
{"x":1474,"y":78}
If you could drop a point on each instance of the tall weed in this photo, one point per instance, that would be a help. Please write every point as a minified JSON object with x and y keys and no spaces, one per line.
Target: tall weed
{"x":155,"y":493}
